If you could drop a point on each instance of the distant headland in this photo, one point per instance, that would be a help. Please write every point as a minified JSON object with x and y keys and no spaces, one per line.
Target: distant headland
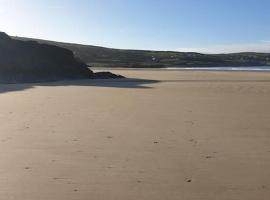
{"x":107,"y":57}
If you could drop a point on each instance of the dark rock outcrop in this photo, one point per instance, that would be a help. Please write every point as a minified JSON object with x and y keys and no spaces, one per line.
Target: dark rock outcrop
{"x":30,"y":61}
{"x":106,"y":75}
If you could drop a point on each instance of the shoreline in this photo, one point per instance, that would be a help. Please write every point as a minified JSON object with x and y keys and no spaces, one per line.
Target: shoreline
{"x":221,"y":69}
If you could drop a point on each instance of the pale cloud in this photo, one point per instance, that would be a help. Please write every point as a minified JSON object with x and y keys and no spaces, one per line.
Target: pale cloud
{"x":262,"y":46}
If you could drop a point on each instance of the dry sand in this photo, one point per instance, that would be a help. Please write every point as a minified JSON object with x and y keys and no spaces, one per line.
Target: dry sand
{"x":184,"y":136}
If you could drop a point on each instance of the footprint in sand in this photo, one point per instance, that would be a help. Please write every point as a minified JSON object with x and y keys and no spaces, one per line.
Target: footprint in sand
{"x":193,"y":141}
{"x":190,"y":122}
{"x":7,"y":139}
{"x":264,"y":187}
{"x":188,"y":180}
{"x":57,"y":179}
{"x":208,"y":157}
{"x":26,"y":127}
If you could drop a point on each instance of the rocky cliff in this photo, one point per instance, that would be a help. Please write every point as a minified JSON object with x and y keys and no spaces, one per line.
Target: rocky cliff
{"x":30,"y":61}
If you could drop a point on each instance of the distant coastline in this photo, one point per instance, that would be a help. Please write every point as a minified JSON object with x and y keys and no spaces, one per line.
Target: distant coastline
{"x":96,"y":56}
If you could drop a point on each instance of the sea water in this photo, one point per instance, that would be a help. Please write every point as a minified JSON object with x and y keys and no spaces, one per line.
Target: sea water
{"x":253,"y":68}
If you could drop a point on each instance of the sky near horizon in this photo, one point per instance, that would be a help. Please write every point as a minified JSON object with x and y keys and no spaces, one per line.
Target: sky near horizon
{"x":207,"y":26}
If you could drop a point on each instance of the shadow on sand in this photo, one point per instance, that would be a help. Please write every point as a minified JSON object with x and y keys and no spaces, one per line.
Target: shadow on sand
{"x":114,"y":83}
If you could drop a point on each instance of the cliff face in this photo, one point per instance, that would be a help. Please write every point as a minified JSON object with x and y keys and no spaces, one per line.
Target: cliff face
{"x":29,"y":61}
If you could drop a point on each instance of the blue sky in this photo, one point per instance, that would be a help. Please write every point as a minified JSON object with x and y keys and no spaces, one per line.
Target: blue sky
{"x":210,"y":26}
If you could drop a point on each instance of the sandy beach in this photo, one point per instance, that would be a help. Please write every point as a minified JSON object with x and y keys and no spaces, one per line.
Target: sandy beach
{"x":160,"y":135}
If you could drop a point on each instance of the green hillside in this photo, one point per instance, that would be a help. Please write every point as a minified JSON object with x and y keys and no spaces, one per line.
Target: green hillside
{"x":106,"y":57}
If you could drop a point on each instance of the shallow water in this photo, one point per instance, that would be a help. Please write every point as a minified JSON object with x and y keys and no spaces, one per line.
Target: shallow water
{"x":255,"y":68}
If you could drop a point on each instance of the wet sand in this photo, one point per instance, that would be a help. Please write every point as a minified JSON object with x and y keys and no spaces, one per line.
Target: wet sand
{"x":159,"y":136}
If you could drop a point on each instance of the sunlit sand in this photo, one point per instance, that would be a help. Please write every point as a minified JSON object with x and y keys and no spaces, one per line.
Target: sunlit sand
{"x":158,"y":136}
